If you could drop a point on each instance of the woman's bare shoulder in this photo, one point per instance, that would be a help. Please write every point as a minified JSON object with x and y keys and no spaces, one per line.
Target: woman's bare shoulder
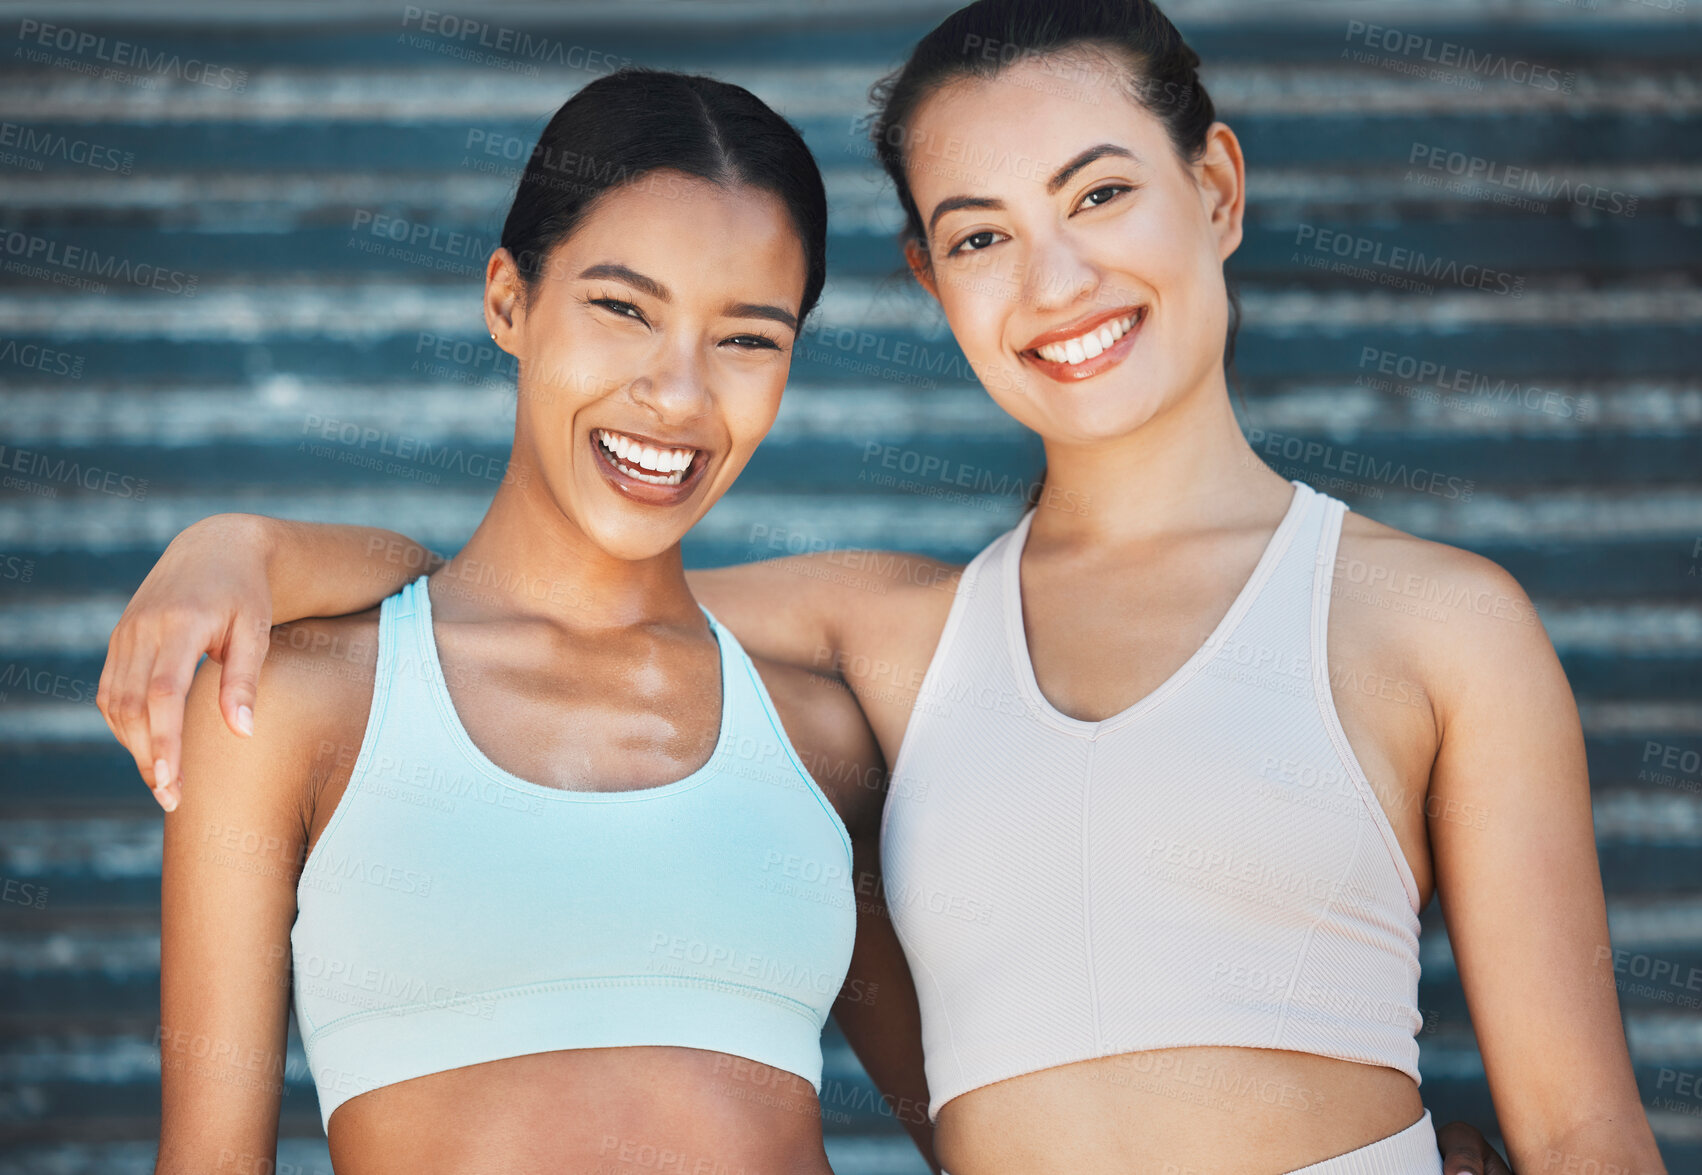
{"x":1449,"y":607}
{"x":314,"y":692}
{"x":1443,"y":576}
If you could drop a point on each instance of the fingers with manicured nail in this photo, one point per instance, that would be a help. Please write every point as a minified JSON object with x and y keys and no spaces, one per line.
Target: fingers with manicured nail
{"x":167,"y":690}
{"x":161,"y":785}
{"x":244,"y":652}
{"x":130,"y":710}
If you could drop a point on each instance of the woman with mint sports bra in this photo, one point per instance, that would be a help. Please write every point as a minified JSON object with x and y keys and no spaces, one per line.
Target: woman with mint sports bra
{"x":519,"y":908}
{"x":531,"y":847}
{"x":1159,"y":836}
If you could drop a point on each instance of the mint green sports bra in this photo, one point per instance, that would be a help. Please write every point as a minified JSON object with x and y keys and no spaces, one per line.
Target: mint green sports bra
{"x":452,"y":914}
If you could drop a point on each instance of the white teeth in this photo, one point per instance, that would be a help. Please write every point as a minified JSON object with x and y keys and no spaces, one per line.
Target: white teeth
{"x":1087,"y":346}
{"x":665,"y":466}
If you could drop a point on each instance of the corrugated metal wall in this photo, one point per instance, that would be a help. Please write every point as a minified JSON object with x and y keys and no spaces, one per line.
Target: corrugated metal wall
{"x":288,"y":208}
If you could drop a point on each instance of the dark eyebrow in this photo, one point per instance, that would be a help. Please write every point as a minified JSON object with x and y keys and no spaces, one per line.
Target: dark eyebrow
{"x":758,"y":310}
{"x":1063,"y":174}
{"x":657,"y":290}
{"x":954,"y":203}
{"x":1058,"y":180}
{"x":620,"y":273}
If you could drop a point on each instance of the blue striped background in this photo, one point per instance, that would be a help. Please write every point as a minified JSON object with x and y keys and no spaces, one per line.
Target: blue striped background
{"x":252,"y":196}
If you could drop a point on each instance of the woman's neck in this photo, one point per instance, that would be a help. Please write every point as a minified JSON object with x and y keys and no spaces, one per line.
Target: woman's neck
{"x":1187,"y":467}
{"x":527,"y":558}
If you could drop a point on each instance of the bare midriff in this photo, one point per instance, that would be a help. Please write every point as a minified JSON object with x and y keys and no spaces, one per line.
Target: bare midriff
{"x":625,"y":1111}
{"x":1189,"y":1111}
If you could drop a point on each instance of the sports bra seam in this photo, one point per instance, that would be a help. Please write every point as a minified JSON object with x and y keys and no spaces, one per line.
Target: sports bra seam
{"x":948,"y":632}
{"x":810,"y":785}
{"x":1322,"y":595}
{"x":371,"y":739}
{"x":1087,"y":895}
{"x":1312,"y":937}
{"x":945,"y":1011}
{"x":384,"y":666}
{"x":785,"y":1003}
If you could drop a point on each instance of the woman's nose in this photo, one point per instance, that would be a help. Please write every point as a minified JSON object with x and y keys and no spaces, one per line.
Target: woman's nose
{"x":676,"y":390}
{"x":1058,"y":276}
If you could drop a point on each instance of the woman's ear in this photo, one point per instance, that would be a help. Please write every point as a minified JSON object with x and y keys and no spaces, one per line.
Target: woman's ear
{"x":916,"y":254}
{"x":503,"y":298}
{"x":1223,"y":187}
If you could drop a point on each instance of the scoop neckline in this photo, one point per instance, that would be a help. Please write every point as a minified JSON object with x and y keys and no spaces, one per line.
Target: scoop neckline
{"x":439,"y":687}
{"x":1016,"y":626}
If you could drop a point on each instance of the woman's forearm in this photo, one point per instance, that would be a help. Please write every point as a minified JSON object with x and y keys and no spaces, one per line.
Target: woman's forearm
{"x":1620,"y":1144}
{"x":329,"y":569}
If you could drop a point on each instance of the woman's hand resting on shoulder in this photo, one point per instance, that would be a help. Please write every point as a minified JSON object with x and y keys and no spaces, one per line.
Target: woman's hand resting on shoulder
{"x":218,"y":589}
{"x":209,"y":593}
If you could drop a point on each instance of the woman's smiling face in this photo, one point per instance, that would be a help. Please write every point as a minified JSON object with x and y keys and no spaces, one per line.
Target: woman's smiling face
{"x":1078,"y":258}
{"x":653,"y":348}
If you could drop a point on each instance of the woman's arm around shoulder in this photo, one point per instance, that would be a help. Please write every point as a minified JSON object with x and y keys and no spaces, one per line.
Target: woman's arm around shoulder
{"x":877,"y":1009}
{"x":806,"y":610}
{"x":234,"y":849}
{"x":868,"y":618}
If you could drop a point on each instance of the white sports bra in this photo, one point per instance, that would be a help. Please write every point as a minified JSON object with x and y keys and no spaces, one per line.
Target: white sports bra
{"x":1208,"y":867}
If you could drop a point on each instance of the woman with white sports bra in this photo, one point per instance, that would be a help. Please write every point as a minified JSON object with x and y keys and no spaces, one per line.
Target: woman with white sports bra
{"x":529,"y":845}
{"x":1168,"y":796}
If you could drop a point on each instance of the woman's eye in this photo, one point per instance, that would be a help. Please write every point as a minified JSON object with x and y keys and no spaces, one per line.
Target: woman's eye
{"x":627,"y":309}
{"x":755,"y":342}
{"x":973,"y":242}
{"x":1103,"y":195}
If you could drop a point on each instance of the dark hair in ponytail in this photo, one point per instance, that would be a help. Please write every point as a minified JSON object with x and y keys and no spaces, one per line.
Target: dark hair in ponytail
{"x":635,"y":121}
{"x":1161,"y":73}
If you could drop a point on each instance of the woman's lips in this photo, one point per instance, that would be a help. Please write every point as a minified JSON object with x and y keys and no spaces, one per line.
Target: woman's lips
{"x":1090,"y":365}
{"x":637,"y":485}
